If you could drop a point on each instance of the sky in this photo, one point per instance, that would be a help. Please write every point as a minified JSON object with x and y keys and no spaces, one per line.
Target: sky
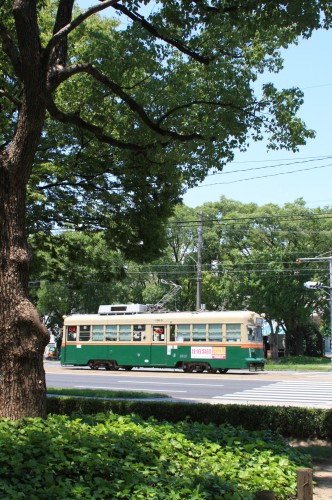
{"x":280,"y":177}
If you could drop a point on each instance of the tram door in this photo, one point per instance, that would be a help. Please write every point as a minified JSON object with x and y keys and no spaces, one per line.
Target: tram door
{"x":158,"y":345}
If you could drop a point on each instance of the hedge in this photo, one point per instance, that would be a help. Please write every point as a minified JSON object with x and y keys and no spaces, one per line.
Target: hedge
{"x":290,"y":422}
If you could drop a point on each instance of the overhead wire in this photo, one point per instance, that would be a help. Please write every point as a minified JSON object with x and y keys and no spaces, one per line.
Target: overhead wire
{"x":272,"y":166}
{"x":265,"y":176}
{"x":303,"y":158}
{"x":192,"y":223}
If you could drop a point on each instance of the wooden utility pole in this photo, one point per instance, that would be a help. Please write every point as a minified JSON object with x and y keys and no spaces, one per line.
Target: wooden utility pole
{"x":199,"y":262}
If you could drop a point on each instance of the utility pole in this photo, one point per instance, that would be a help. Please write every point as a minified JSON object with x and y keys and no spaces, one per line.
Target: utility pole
{"x":316,"y":285}
{"x":199,"y":262}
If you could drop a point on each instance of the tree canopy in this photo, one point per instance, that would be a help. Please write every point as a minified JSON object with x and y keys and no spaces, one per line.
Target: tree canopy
{"x":136,"y":114}
{"x":105,"y":120}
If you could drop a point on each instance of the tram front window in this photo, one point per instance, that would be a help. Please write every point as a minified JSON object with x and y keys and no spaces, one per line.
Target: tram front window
{"x":254,"y":333}
{"x":251,"y":333}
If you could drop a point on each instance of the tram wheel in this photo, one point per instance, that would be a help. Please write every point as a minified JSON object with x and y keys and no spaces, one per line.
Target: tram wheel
{"x":128,"y":368}
{"x":93,"y":366}
{"x":223,"y":370}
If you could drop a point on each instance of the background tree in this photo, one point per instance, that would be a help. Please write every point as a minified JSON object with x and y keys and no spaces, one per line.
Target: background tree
{"x":74,"y":272}
{"x":182,"y":244}
{"x":77,"y":271}
{"x":103,"y":126}
{"x":256,"y":268}
{"x":249,"y":261}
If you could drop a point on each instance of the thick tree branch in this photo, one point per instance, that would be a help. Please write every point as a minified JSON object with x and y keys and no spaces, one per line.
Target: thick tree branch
{"x":170,"y":40}
{"x":219,"y":104}
{"x":134,"y":17}
{"x":240,"y":6}
{"x":11,"y":50}
{"x":10,"y":97}
{"x":98,"y":132}
{"x":86,"y":182}
{"x":64,"y":31}
{"x":28,"y":38}
{"x":63,"y":18}
{"x":65,"y":73}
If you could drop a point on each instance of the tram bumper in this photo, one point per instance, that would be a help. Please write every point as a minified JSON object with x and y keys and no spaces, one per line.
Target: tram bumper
{"x":255,"y":364}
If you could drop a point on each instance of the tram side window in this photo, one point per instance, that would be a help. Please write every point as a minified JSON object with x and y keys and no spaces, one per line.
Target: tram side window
{"x":124,"y":333}
{"x":199,"y":333}
{"x":84,"y":333}
{"x":110,"y":333}
{"x":183,"y":333}
{"x":98,"y":333}
{"x":233,"y":333}
{"x":215,"y":332}
{"x":71,"y":333}
{"x":158,"y":333}
{"x":138,"y":333}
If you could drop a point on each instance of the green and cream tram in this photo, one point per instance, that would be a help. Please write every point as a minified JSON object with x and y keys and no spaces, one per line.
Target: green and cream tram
{"x":126,"y":336}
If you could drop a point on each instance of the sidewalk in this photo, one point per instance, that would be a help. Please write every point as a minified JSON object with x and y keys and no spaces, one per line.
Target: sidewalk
{"x":322,"y":475}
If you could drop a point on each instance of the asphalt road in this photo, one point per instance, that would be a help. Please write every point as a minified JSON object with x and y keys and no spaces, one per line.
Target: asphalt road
{"x":309,"y":389}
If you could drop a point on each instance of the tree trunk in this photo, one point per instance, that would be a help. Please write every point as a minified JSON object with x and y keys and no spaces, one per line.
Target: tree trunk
{"x":22,"y":336}
{"x":274,"y":345}
{"x":294,"y":341}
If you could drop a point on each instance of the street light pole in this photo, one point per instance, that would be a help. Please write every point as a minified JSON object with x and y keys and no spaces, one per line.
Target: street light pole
{"x":311,"y":284}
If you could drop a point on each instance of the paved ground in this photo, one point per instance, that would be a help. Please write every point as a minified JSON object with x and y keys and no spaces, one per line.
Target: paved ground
{"x":323,"y":477}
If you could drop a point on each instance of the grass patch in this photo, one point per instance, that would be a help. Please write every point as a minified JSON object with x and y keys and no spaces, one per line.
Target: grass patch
{"x":299,"y":363}
{"x":317,"y":453}
{"x":103,"y":393}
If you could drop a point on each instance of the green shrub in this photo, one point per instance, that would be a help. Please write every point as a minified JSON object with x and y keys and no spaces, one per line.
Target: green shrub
{"x":107,"y":456}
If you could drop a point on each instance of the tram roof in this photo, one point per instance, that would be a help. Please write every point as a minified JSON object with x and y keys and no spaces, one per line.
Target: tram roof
{"x":159,"y":316}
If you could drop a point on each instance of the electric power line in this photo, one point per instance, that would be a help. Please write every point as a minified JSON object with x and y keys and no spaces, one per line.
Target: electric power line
{"x":272,"y":166}
{"x":265,"y":176}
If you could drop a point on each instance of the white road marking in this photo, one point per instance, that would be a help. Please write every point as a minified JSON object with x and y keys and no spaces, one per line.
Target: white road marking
{"x":297,"y":391}
{"x":107,"y":387}
{"x":170,"y":383}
